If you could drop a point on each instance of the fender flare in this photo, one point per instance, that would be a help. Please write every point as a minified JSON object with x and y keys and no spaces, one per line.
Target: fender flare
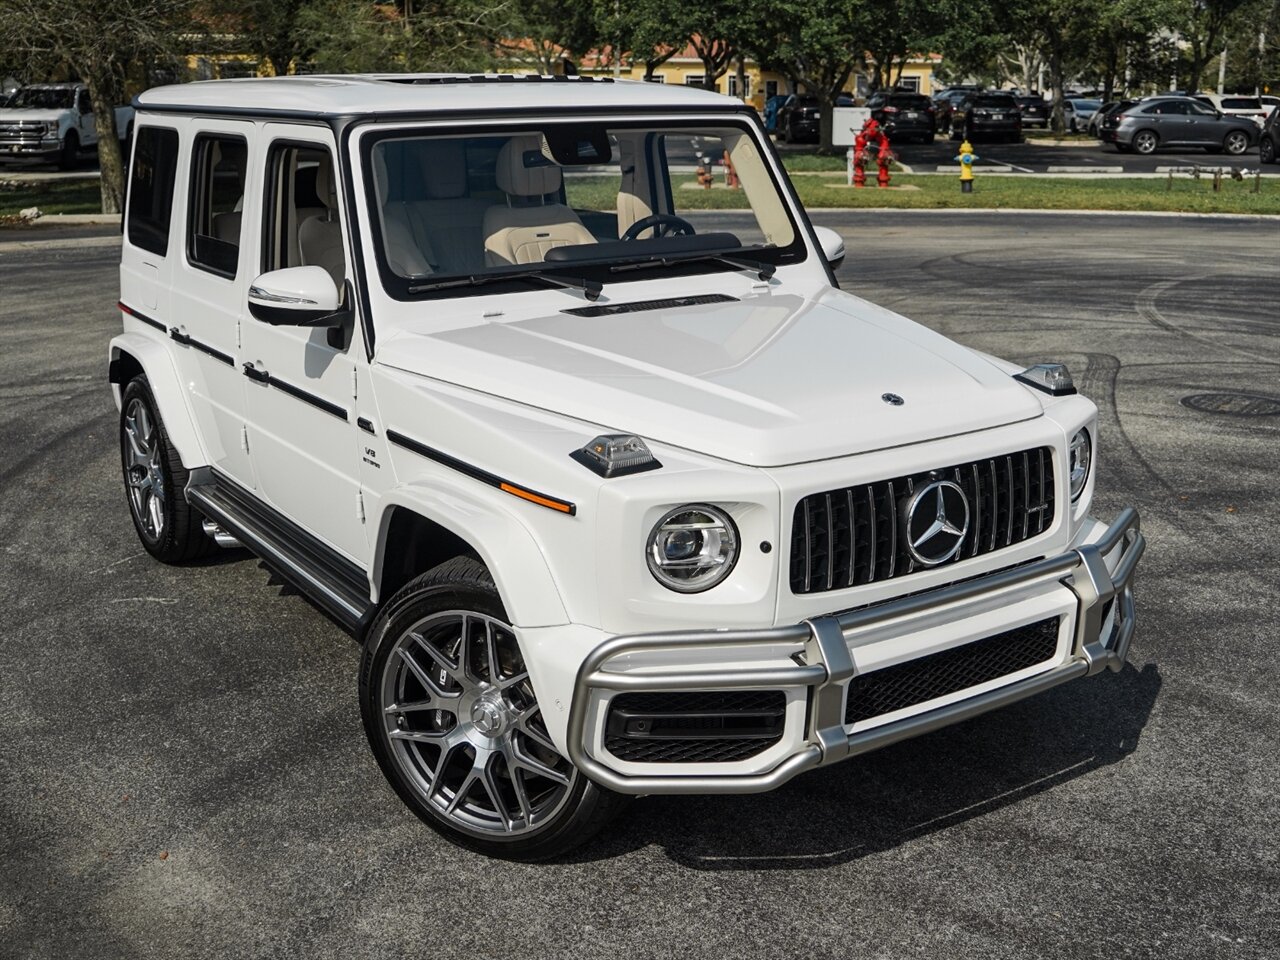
{"x":503,"y":542}
{"x":157,"y":365}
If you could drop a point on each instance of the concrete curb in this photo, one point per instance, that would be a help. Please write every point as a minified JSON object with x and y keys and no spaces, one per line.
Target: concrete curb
{"x":76,"y":220}
{"x":58,"y":243}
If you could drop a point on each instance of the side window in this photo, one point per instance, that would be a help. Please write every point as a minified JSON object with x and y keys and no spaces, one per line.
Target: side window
{"x":218,"y":166}
{"x":302,"y":226}
{"x":151,"y":179}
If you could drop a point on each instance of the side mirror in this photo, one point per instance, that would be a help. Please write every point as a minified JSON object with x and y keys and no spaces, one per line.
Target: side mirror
{"x":297,"y":297}
{"x":832,"y":245}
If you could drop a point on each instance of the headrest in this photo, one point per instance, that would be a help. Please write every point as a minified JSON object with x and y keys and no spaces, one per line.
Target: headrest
{"x":523,"y":169}
{"x":324,"y":184}
{"x":444,"y":169}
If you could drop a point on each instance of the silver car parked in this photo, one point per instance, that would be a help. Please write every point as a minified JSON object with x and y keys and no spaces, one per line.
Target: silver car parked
{"x":1177,"y":121}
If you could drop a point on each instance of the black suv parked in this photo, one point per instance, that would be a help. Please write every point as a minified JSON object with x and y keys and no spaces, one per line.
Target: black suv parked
{"x":987,"y":114}
{"x":903,"y":116}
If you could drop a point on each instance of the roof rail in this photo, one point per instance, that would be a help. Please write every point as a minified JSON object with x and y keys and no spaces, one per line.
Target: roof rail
{"x":509,"y":78}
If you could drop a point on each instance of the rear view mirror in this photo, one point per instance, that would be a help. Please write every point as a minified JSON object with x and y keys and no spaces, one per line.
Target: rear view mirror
{"x":832,"y":245}
{"x":296,"y":297}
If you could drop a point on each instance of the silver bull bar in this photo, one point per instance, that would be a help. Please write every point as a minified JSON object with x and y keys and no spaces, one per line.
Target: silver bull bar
{"x":828,"y":666}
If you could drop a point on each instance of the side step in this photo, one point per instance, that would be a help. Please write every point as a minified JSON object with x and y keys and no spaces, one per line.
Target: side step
{"x":332,"y":581}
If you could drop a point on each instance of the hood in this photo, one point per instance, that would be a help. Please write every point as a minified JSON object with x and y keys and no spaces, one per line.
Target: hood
{"x":764,"y":381}
{"x":11,"y":114}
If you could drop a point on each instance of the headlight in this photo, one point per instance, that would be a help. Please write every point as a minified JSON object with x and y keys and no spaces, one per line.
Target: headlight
{"x":51,"y":128}
{"x":1081,"y":460}
{"x":692,"y":548}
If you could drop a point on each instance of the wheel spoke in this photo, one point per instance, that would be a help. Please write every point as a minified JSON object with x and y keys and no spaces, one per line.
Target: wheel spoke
{"x":450,"y":747}
{"x":522,"y":795}
{"x":467,"y":784}
{"x":154,"y":511}
{"x":419,"y":736}
{"x":148,"y":429}
{"x":532,"y":732}
{"x":522,"y":759}
{"x":429,"y":704}
{"x":491,"y":787}
{"x":437,"y":657}
{"x":512,"y":681}
{"x":491,"y":653}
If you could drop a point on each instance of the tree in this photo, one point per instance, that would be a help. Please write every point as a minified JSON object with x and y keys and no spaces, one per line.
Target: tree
{"x":643,"y":28}
{"x":97,"y":42}
{"x":269,"y":28}
{"x":1202,"y":24}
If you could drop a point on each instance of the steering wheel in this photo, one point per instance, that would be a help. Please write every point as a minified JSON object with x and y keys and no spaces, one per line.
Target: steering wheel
{"x":663,"y":224}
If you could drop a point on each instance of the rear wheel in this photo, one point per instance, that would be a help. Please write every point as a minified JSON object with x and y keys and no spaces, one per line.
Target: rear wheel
{"x":154,"y":480}
{"x":1145,"y":142}
{"x":453,"y":720}
{"x":1236,"y":142}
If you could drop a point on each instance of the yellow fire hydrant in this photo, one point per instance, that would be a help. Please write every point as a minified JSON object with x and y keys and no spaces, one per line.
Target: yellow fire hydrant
{"x":966,"y":159}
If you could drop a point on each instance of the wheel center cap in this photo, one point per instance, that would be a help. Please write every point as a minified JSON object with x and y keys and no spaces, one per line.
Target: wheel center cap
{"x":488,"y":717}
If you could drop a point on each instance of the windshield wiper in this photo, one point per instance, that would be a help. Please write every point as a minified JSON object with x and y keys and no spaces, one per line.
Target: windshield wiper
{"x":591,"y":289}
{"x":761,"y":269}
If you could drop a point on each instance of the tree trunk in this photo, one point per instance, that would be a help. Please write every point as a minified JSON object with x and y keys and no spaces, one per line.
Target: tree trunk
{"x":826,"y":121}
{"x":1059,"y":85}
{"x":110,"y":160}
{"x":1113,"y":64}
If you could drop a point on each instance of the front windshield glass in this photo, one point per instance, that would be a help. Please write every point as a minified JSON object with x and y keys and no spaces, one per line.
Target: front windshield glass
{"x":42,"y":98}
{"x":1087,"y":104}
{"x":570,"y":199}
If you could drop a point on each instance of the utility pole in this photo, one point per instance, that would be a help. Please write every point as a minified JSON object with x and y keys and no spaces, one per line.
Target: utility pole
{"x":1222,"y":70}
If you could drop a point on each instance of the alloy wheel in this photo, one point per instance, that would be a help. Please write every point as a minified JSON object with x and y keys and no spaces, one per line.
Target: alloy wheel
{"x":1236,"y":143}
{"x":1145,"y":142}
{"x":144,"y":469}
{"x":1267,"y":151}
{"x":465,"y":728}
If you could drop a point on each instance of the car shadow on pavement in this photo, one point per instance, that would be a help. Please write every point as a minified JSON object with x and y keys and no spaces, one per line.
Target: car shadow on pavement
{"x":879,"y":801}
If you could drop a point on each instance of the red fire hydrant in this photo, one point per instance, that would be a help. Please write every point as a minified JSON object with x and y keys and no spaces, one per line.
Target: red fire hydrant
{"x":869,"y":133}
{"x":730,"y":174}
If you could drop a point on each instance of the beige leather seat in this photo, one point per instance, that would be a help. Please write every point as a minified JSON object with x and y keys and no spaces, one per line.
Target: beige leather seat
{"x":527,"y":227}
{"x":320,"y":237}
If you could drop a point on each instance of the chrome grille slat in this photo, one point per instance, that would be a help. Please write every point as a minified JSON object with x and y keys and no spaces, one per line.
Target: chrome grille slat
{"x":865,"y":521}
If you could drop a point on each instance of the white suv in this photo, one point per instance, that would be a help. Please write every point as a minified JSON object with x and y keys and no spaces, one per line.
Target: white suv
{"x":619,"y":492}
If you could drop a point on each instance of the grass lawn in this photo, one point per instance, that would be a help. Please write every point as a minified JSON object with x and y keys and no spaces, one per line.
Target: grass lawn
{"x":818,"y":191}
{"x":51,"y":196}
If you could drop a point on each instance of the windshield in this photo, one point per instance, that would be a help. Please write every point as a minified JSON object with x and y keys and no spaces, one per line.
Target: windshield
{"x":42,"y":98}
{"x":1087,"y":104}
{"x":569,"y":200}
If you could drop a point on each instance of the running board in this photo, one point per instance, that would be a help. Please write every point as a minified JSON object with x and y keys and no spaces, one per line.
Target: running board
{"x":335,"y":583}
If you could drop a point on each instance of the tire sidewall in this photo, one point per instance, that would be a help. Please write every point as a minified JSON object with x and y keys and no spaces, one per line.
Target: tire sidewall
{"x":1145,"y":137}
{"x":1235,"y":138}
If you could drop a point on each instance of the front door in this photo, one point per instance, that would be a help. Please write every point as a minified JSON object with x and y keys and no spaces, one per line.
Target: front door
{"x":300,"y":391}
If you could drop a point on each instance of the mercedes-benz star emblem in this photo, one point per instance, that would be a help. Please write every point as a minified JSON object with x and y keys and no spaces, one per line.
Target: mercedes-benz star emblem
{"x":937,"y":520}
{"x":892,"y":399}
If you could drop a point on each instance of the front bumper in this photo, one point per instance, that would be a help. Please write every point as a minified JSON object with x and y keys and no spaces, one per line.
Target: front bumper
{"x":1098,"y":575}
{"x":28,"y":147}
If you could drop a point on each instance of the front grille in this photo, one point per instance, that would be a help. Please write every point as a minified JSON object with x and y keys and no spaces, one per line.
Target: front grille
{"x":22,"y":130}
{"x":854,"y":536}
{"x":939,"y":674}
{"x":694,"y":727}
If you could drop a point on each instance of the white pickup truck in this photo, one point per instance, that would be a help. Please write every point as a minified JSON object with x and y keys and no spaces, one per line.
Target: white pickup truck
{"x":53,"y":122}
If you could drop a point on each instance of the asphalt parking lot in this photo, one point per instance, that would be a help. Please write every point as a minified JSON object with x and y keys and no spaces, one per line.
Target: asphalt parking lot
{"x":183,"y":771}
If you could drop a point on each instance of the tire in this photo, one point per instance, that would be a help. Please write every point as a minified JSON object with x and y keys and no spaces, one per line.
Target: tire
{"x":154,"y":481}
{"x":70,"y":154}
{"x":1145,"y":142}
{"x":1236,"y":142}
{"x":1267,"y":150}
{"x":491,"y":792}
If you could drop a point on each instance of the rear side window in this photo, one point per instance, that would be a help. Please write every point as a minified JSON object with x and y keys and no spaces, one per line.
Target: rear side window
{"x":151,"y":178}
{"x":218,"y":166}
{"x":1241,"y":103}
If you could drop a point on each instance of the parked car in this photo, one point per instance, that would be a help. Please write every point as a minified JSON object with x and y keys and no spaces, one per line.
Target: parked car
{"x":1235,"y":106}
{"x":945,"y":103}
{"x":771,"y":108}
{"x":1034,"y":109}
{"x":1077,"y":113}
{"x":981,"y":115}
{"x":1269,"y":103}
{"x":53,"y":122}
{"x":1094,"y":127}
{"x":799,"y":117}
{"x":1269,"y":141}
{"x":1146,"y":125}
{"x":903,"y":116}
{"x":623,"y":499}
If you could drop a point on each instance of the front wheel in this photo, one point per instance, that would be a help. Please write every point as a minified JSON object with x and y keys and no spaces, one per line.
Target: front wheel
{"x":1236,"y":142}
{"x":1267,"y":150}
{"x":70,"y":154}
{"x":455,"y":725}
